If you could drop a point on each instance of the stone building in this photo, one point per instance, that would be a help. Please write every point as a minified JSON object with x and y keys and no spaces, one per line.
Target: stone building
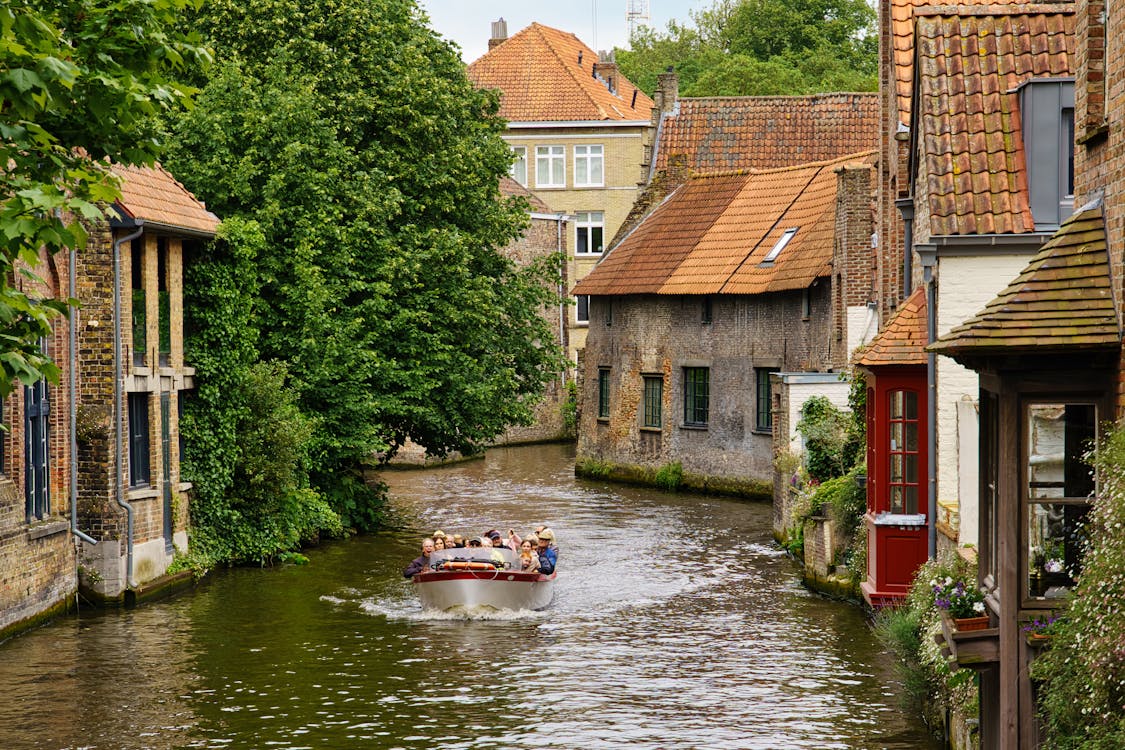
{"x":132,"y":379}
{"x":729,"y":281}
{"x":1046,"y":352}
{"x":578,"y":130}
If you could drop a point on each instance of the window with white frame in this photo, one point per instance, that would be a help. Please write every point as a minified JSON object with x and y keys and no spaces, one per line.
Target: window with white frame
{"x":589,"y":227}
{"x":519,"y":166}
{"x":582,"y":308}
{"x":589,"y":166}
{"x":550,"y":166}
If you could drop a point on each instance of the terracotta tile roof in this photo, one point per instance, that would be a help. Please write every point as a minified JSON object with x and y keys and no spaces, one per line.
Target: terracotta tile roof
{"x":970,"y":60}
{"x":902,"y":40}
{"x":511,"y":189}
{"x":712,"y":234}
{"x":903,"y":340}
{"x":766,"y":132}
{"x":153,"y":194}
{"x":1061,"y":300}
{"x":540,"y":80}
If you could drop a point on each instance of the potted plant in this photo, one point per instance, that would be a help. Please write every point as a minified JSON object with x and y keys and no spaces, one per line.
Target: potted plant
{"x":963,"y":603}
{"x":1039,"y":630}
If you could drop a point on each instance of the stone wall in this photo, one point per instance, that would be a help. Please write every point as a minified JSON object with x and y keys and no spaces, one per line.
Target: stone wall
{"x":654,"y":335}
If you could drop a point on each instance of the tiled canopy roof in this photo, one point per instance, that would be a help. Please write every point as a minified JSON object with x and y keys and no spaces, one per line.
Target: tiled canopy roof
{"x":970,"y":59}
{"x":153,"y":194}
{"x":767,"y":132}
{"x":541,"y":80}
{"x":1061,"y":300}
{"x":712,"y":234}
{"x":903,"y":340}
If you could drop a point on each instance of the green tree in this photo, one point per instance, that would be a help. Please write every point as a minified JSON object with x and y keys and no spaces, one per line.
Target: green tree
{"x":80,"y":82}
{"x":762,"y":47}
{"x":348,"y":131}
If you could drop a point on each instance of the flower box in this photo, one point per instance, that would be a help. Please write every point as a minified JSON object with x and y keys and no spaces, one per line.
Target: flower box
{"x":963,"y":624}
{"x":972,"y":649}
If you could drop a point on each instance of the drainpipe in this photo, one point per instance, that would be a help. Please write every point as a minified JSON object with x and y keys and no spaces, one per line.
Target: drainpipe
{"x":118,"y":390}
{"x":927,"y":256}
{"x":906,"y":208}
{"x":73,"y":386}
{"x":563,"y":338}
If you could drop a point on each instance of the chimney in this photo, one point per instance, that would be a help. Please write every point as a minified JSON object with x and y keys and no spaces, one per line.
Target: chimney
{"x":499,"y":33}
{"x":606,"y":69}
{"x":667,"y":93}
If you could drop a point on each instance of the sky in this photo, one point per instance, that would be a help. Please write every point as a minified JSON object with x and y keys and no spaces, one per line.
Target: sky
{"x":469,"y":22}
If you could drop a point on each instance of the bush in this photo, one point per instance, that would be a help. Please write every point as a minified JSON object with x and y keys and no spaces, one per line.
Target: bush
{"x":825,"y":430}
{"x":670,"y":476}
{"x":1083,"y":672}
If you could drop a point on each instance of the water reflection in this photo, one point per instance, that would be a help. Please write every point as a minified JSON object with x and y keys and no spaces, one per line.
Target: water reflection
{"x":676,"y":624}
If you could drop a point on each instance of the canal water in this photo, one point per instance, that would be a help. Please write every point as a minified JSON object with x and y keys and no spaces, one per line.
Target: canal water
{"x":677,"y":623}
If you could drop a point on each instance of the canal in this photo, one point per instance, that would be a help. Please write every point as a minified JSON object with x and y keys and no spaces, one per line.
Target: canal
{"x":677,"y":623}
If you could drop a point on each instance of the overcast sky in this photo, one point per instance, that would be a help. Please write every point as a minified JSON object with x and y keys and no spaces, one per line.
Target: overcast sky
{"x":468,"y":22}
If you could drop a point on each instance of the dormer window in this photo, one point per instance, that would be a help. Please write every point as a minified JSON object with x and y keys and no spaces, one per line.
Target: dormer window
{"x":775,"y":251}
{"x":1047,"y":120}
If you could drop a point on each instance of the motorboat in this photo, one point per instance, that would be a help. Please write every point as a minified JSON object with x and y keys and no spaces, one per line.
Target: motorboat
{"x":473,"y":577}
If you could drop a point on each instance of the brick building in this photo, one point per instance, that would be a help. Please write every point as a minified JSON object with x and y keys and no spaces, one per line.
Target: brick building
{"x":1046,"y":352}
{"x":58,"y":497}
{"x":975,"y":176}
{"x":729,"y":281}
{"x":578,"y":129}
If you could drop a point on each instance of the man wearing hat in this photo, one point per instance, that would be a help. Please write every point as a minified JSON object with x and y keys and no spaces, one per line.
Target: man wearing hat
{"x":548,"y":552}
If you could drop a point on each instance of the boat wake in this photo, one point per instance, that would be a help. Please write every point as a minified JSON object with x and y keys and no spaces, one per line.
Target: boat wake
{"x":406,"y":610}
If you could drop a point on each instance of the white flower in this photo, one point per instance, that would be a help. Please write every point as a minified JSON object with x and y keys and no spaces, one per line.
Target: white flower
{"x":978,"y":607}
{"x":1053,"y":566}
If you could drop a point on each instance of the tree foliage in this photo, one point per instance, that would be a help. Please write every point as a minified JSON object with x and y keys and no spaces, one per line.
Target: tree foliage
{"x":81,"y":81}
{"x":761,"y":47}
{"x":349,"y":133}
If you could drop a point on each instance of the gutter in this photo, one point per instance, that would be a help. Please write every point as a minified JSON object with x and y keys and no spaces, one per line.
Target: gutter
{"x":118,"y":376}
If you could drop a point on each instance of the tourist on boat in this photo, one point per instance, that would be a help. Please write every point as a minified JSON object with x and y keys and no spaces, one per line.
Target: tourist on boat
{"x":474,"y":542}
{"x":514,"y":541}
{"x":439,"y":542}
{"x":529,"y":558}
{"x":420,"y":563}
{"x":458,"y":540}
{"x":548,"y":552}
{"x":495,"y":538}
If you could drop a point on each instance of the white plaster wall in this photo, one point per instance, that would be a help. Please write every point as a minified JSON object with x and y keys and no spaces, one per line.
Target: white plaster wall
{"x":968,"y":472}
{"x":965,"y":286}
{"x":799,"y":393}
{"x":863,"y":324}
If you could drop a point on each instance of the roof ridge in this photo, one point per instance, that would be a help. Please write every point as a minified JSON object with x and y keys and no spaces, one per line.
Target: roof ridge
{"x":995,"y":9}
{"x":857,"y":156}
{"x":774,"y":97}
{"x":581,"y":86}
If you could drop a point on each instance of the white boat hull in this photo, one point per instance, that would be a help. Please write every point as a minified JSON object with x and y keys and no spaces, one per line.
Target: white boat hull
{"x":502,"y":589}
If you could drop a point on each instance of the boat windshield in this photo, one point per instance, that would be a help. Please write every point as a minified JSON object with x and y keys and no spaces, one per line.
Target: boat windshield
{"x":499,"y":556}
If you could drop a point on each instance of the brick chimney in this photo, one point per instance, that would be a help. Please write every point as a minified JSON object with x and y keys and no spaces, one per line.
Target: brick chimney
{"x":667,"y":93}
{"x":606,"y":69}
{"x":499,"y":33}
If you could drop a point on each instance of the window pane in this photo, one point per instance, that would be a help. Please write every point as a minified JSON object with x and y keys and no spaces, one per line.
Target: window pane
{"x":896,"y":500}
{"x":911,"y":468}
{"x":910,"y":499}
{"x":911,"y":441}
{"x":583,"y":308}
{"x":896,"y":436}
{"x":896,"y":468}
{"x":603,"y":393}
{"x":896,"y":404}
{"x":1055,"y":539}
{"x":910,"y":405}
{"x":653,"y":401}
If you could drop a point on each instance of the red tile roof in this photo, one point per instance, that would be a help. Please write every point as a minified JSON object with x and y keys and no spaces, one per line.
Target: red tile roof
{"x":970,"y":59}
{"x":1062,"y":300}
{"x":767,"y":132}
{"x":712,"y":234}
{"x":541,"y":80}
{"x":903,"y":340}
{"x":153,"y":194}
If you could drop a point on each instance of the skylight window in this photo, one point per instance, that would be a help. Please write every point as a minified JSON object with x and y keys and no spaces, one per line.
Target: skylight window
{"x":771,"y":256}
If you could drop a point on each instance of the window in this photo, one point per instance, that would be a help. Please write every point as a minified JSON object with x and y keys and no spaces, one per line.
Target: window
{"x":1059,"y":489}
{"x":806,"y":302}
{"x":903,"y":451}
{"x":1068,"y":147}
{"x":518,"y":169}
{"x":589,"y":164}
{"x":697,"y":396}
{"x":653,"y":401}
{"x":550,"y":166}
{"x":140,"y":319}
{"x":138,"y":440}
{"x":164,"y":302}
{"x":1047,"y":117}
{"x":589,"y":227}
{"x":582,"y":311}
{"x":708,"y":314}
{"x":775,"y":251}
{"x":763,"y":401}
{"x":603,"y":393}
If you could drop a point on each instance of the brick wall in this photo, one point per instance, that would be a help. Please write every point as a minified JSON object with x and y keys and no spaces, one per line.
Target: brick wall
{"x":853,"y":262}
{"x":892,"y":176}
